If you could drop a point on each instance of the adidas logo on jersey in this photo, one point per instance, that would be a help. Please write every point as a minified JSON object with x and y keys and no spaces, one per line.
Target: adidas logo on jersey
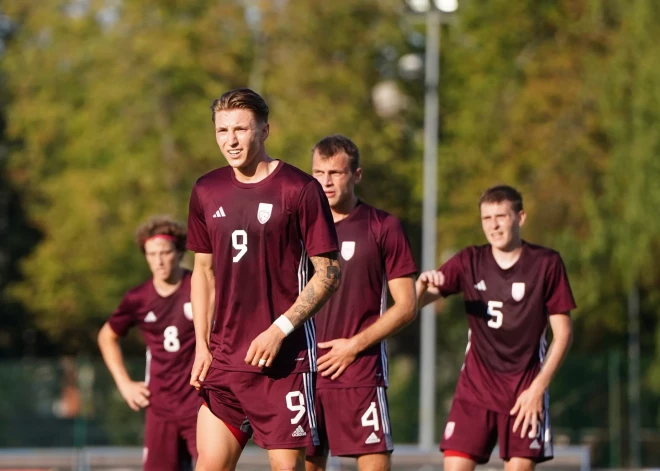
{"x":371,"y":439}
{"x":151,"y":317}
{"x":220,"y":213}
{"x":535,"y":445}
{"x":481,"y":286}
{"x":299,"y":432}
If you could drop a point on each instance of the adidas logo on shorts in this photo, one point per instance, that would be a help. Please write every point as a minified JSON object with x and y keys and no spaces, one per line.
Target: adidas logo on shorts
{"x":299,"y":432}
{"x":535,"y":445}
{"x":371,"y":439}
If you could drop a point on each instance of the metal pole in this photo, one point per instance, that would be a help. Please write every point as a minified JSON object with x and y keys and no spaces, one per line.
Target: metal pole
{"x":614,"y":403}
{"x":634,"y":419}
{"x":429,"y":220}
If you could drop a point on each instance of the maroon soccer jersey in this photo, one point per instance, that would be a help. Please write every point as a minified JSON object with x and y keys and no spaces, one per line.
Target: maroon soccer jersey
{"x":507,"y":315}
{"x":261,"y":236}
{"x":373,"y":250}
{"x":167,"y":328}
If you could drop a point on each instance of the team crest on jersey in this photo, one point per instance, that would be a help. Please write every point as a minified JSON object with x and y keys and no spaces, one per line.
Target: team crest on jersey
{"x":449,"y":430}
{"x":264,"y":211}
{"x":187,"y":311}
{"x":347,"y":249}
{"x":518,"y":291}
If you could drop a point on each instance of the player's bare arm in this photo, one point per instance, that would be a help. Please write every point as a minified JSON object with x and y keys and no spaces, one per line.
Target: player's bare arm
{"x":529,"y":405}
{"x":135,"y":393}
{"x":326,"y":279}
{"x":344,"y":351}
{"x":428,"y":287}
{"x":202,"y":296}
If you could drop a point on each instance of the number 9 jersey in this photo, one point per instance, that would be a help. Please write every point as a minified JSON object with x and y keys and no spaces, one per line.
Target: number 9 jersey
{"x":261,"y":236}
{"x":507,"y":315}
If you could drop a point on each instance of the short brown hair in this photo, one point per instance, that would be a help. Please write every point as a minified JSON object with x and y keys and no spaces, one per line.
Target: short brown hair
{"x":500,"y":193}
{"x":243,"y":99}
{"x":332,"y":145}
{"x":162,"y":225}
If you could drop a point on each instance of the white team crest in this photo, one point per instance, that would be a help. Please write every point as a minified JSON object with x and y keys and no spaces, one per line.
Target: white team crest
{"x":449,"y":430}
{"x":347,"y":249}
{"x":518,"y":291}
{"x":187,"y":311}
{"x":263,"y":213}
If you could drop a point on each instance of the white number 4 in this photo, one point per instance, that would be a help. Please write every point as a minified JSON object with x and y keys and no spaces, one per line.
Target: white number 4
{"x":239,"y":242}
{"x":299,"y":408}
{"x":370,"y":417}
{"x":495,"y":314}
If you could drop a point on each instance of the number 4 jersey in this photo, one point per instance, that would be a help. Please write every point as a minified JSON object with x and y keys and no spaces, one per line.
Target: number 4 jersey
{"x":507,"y":315}
{"x":167,"y":328}
{"x":261,"y":236}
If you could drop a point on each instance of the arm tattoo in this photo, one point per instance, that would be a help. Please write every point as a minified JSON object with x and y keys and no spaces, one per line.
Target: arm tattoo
{"x":324,"y":282}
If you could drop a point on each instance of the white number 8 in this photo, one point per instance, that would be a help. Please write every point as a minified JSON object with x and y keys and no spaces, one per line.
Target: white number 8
{"x":241,"y":246}
{"x":299,"y":408}
{"x":496,"y":315}
{"x":171,"y":342}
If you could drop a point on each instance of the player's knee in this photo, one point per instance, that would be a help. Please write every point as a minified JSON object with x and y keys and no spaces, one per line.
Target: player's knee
{"x":519,"y":464}
{"x":374,"y":462}
{"x":206,"y":462}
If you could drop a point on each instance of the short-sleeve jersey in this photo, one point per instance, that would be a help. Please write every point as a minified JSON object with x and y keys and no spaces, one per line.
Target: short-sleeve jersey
{"x":261,"y":236}
{"x":373,"y":250}
{"x":507,"y":315}
{"x":167,"y":328}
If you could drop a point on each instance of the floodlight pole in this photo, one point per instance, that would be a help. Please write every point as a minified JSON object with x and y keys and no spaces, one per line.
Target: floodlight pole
{"x":427,"y":409}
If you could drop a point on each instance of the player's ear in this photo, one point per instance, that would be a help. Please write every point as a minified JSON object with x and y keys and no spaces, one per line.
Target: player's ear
{"x":522,"y":217}
{"x":357,"y":175}
{"x":265,"y":132}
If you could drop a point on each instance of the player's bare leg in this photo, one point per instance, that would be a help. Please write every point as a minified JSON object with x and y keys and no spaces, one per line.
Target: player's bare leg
{"x":316,"y":463}
{"x":218,"y":448}
{"x":287,"y":459}
{"x":519,"y":464}
{"x":374,"y":462}
{"x":458,"y":463}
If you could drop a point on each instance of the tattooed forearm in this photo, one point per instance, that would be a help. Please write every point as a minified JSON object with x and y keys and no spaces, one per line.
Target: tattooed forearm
{"x":325,"y":281}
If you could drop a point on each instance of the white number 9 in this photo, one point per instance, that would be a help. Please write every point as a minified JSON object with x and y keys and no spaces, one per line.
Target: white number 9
{"x":299,"y":408}
{"x":239,"y":242}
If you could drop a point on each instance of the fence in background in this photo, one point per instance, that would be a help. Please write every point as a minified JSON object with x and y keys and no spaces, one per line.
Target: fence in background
{"x":72,"y":403}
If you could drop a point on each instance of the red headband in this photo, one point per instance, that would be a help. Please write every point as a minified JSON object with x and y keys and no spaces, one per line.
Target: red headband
{"x":161,"y":236}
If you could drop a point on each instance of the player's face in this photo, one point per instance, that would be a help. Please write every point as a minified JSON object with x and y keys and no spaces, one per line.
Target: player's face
{"x":501,"y":224}
{"x":162,"y":257}
{"x":336,"y":177}
{"x":240,"y":137}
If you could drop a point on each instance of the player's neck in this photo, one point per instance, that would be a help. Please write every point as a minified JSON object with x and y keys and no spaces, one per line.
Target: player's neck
{"x":168,"y":286}
{"x":260,"y":168}
{"x":343,"y":210}
{"x":507,"y":257}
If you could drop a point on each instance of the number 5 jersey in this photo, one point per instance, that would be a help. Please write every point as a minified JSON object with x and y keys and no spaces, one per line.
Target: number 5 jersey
{"x":507,"y":315}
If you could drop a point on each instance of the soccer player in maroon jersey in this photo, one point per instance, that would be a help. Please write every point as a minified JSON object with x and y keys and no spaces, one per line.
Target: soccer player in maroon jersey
{"x":352,"y":326}
{"x":255,"y":226}
{"x":512,"y":290}
{"x":160,"y":307}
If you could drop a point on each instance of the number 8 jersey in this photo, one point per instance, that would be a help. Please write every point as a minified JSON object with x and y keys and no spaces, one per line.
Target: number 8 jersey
{"x":261,"y":236}
{"x":166,"y":326}
{"x":507,"y":315}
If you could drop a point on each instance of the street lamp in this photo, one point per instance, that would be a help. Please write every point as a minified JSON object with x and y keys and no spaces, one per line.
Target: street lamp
{"x":433,"y":10}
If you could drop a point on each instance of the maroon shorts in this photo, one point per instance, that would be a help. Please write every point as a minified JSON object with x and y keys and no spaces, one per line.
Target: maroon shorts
{"x":280,"y":411}
{"x":352,"y":421}
{"x":473,"y":430}
{"x":169,"y":444}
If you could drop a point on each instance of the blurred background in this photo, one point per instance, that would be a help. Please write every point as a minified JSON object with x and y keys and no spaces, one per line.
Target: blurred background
{"x":104,"y":120}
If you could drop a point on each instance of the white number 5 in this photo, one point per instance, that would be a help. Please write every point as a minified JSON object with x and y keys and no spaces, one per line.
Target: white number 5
{"x":239,"y":242}
{"x":495,"y":314}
